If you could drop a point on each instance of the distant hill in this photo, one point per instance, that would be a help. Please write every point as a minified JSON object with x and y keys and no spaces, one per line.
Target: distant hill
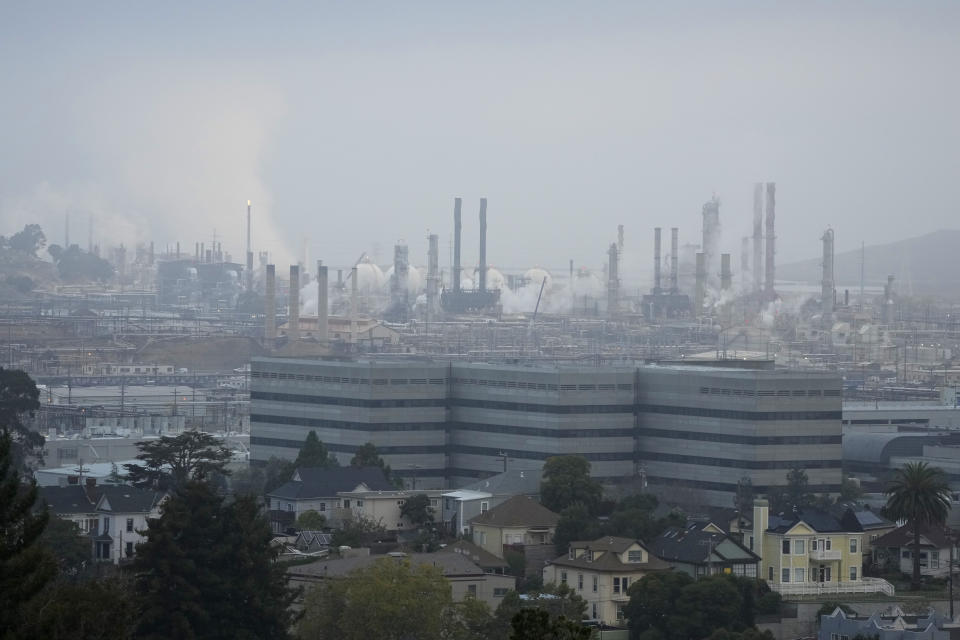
{"x":924,"y":264}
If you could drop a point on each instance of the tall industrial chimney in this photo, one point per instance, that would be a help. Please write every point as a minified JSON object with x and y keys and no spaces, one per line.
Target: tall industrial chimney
{"x":457,"y":230}
{"x":770,"y":294}
{"x":270,"y":313}
{"x":483,"y":244}
{"x":354,"y":289}
{"x":619,"y":239}
{"x":178,"y":249}
{"x":711,"y":236}
{"x":90,"y":237}
{"x":293,"y":311}
{"x":701,"y":283}
{"x":744,"y":262}
{"x":674,"y":260}
{"x":656,"y":261}
{"x":613,"y":282}
{"x":827,"y":294}
{"x":433,"y":272}
{"x":66,"y":235}
{"x":726,"y":276}
{"x":757,"y":237}
{"x":249,"y":254}
{"x":322,"y":308}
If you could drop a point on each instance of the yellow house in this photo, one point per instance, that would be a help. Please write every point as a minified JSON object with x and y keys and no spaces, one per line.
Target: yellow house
{"x":517,"y":522}
{"x":600,"y":571}
{"x":811,"y":552}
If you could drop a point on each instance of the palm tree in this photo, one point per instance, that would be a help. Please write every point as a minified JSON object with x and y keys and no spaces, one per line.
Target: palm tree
{"x":918,"y":493}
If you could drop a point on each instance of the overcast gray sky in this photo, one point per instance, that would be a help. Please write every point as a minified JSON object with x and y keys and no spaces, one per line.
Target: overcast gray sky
{"x":354,"y":125}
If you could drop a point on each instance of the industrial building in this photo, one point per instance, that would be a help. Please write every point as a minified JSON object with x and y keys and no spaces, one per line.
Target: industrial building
{"x":695,"y":429}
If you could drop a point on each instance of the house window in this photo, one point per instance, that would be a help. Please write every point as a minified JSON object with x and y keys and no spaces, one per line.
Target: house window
{"x":484,"y":507}
{"x":635,"y":556}
{"x":129,"y":524}
{"x":106,"y":526}
{"x":827,"y":544}
{"x":624,"y":582}
{"x":594,"y":610}
{"x":813,"y":545}
{"x":588,"y":556}
{"x":853,"y":574}
{"x":563,"y":577}
{"x":323,"y":506}
{"x":905,"y":554}
{"x":346,"y":503}
{"x":499,"y":592}
{"x":579,"y":582}
{"x":799,"y":575}
{"x":359,"y":503}
{"x":103,"y":551}
{"x":785,"y":546}
{"x":853,"y":545}
{"x":471,"y":591}
{"x":770,"y":577}
{"x":799,"y":547}
{"x":483,"y":538}
{"x":934,"y":559}
{"x":129,"y":549}
{"x":570,"y":554}
{"x":616,"y":585}
{"x":785,"y":575}
{"x":595,"y":580}
{"x":751,"y":542}
{"x":289,"y":506}
{"x":620,"y":615}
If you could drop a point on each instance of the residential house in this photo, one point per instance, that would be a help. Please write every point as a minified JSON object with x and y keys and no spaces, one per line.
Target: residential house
{"x":123,"y":514}
{"x":702,"y":548}
{"x":894,"y":550}
{"x":466,"y":579}
{"x":872,"y":523}
{"x":480,"y":557}
{"x":312,"y":541}
{"x":811,"y":552}
{"x":893,"y":625}
{"x":601,"y":571}
{"x":519,"y":522}
{"x":317,"y":489}
{"x":461,"y":506}
{"x":384,"y":507}
{"x":75,"y":503}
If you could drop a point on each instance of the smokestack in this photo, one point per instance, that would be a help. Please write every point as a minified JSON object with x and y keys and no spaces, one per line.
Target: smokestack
{"x":726,"y":276}
{"x":66,"y":234}
{"x":151,"y":252}
{"x":770,"y":294}
{"x":270,"y":313}
{"x":322,"y":309}
{"x":178,"y":249}
{"x":827,"y":293}
{"x":483,"y":244}
{"x":619,"y":239}
{"x":433,"y":272}
{"x":90,"y":236}
{"x":711,"y":236}
{"x":203,"y":253}
{"x":293,"y":311}
{"x":886,"y":311}
{"x":354,"y":288}
{"x":757,"y":237}
{"x":249,"y":253}
{"x":701,"y":283}
{"x":744,"y":262}
{"x":674,"y":260}
{"x":340,"y":278}
{"x":656,"y":260}
{"x":613,"y":282}
{"x":457,"y":228}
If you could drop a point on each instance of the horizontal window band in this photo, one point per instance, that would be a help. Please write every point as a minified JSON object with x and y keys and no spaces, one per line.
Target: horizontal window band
{"x":676,"y":434}
{"x":734,"y":463}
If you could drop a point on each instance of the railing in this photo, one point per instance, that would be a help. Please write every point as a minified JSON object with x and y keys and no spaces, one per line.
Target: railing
{"x":825,"y":554}
{"x":866,"y":585}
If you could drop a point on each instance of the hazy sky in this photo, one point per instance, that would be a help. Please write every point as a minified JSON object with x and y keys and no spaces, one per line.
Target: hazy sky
{"x":354,"y":125}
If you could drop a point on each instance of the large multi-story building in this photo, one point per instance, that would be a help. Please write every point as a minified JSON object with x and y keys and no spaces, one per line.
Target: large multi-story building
{"x":703,"y":428}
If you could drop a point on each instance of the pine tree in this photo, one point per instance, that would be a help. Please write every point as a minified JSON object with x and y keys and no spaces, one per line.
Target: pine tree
{"x":314,"y":453}
{"x":25,"y":565}
{"x":207,"y":571}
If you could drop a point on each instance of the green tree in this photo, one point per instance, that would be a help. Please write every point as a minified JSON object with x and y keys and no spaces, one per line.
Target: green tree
{"x":368,"y":456}
{"x":751,"y":633}
{"x":171,"y":461}
{"x":472,"y":619}
{"x":25,"y":564}
{"x":65,"y":543}
{"x":277,"y":473}
{"x":101,"y":609}
{"x":575,"y":523}
{"x":417,"y":509}
{"x":19,"y":397}
{"x":706,"y":605}
{"x":536,"y":624}
{"x":314,"y":453}
{"x":652,"y":603}
{"x":390,"y":599}
{"x":633,"y":517}
{"x":357,"y":532}
{"x":850,"y":490}
{"x":28,"y":241}
{"x":77,"y":265}
{"x":796,"y":493}
{"x":310,"y":520}
{"x":919,"y":494}
{"x":566,"y":480}
{"x":207,"y":570}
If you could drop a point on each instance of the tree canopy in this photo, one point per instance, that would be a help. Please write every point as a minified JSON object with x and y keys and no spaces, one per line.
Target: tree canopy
{"x":314,"y":453}
{"x":171,"y":461}
{"x":207,"y":570}
{"x":28,"y":241}
{"x":19,"y":396}
{"x":368,"y":456}
{"x":417,"y":509}
{"x":536,"y":624}
{"x":919,"y":494}
{"x":76,"y":265}
{"x":310,"y":520}
{"x":566,"y":481}
{"x":796,"y":493}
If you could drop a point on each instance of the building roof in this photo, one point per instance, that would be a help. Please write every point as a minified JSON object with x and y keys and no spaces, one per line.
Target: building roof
{"x":319,"y":482}
{"x":513,"y":482}
{"x":616,"y":544}
{"x":867,"y":519}
{"x":609,"y":560}
{"x":121,"y":498}
{"x":930,"y":536}
{"x":518,"y":511}
{"x":478,"y":555}
{"x":818,"y":519}
{"x":693,"y":545}
{"x":451,"y":564}
{"x":72,"y":499}
{"x":465,"y":494}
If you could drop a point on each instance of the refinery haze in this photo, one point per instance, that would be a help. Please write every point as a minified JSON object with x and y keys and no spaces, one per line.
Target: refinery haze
{"x":354,"y":127}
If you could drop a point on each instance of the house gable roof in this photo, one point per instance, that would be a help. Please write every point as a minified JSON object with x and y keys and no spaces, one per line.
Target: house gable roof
{"x":69,"y":500}
{"x":126,"y":499}
{"x":518,"y":511}
{"x":609,"y":560}
{"x":693,"y":545}
{"x":903,"y":536}
{"x":817,"y":520}
{"x":318,"y":482}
